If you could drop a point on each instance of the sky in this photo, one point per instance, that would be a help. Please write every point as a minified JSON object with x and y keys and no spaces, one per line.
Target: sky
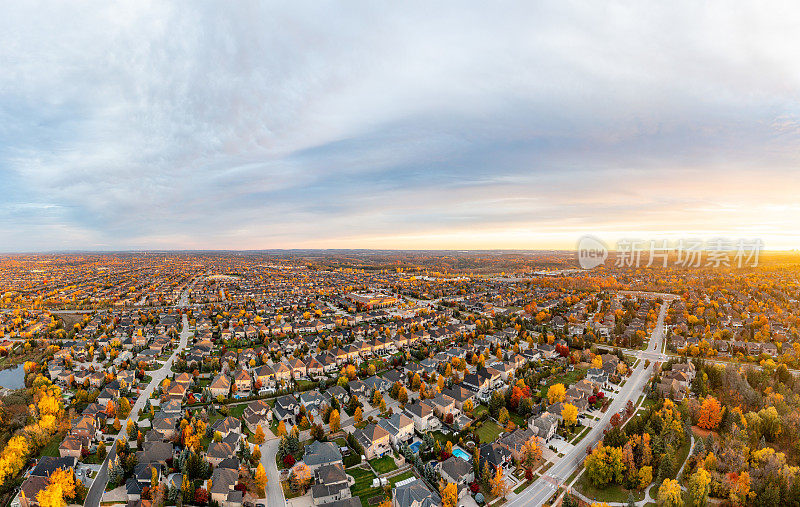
{"x":408,"y":125}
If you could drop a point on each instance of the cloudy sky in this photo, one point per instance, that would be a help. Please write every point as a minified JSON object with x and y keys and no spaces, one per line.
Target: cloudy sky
{"x":245,"y":125}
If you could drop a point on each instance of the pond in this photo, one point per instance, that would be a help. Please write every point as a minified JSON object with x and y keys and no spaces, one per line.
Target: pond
{"x":13,"y":378}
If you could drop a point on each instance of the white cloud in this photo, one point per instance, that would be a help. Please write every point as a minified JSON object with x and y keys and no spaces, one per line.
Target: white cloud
{"x":263,"y":125}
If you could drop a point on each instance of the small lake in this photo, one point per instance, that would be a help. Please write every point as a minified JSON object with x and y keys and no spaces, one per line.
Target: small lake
{"x":13,"y":378}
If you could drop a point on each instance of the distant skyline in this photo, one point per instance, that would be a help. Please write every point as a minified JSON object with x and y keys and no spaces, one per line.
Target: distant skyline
{"x":386,"y":125}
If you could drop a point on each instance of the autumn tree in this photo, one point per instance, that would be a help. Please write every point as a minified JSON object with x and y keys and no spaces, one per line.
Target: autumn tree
{"x":710,"y":414}
{"x":358,"y":416}
{"x":334,"y":421}
{"x":498,"y":484}
{"x":645,"y":476}
{"x":531,"y":453}
{"x":699,"y":487}
{"x":124,"y":408}
{"x":468,"y":407}
{"x":604,"y":466}
{"x":281,"y":429}
{"x":570,"y":414}
{"x":261,"y":479}
{"x":259,"y":436}
{"x":740,"y":489}
{"x":301,"y":476}
{"x":449,"y":494}
{"x":60,"y":487}
{"x":556,"y":393}
{"x":669,"y":494}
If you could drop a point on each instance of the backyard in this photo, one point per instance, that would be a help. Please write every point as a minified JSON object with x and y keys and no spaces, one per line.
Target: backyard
{"x":363,"y":487}
{"x":489,"y":431}
{"x":383,"y":465}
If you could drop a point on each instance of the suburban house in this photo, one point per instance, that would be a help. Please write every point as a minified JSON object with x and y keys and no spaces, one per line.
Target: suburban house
{"x":318,"y":454}
{"x":414,"y":493}
{"x":496,"y":455}
{"x":374,"y":439}
{"x":332,"y":484}
{"x":421,"y":413}
{"x":458,"y":472}
{"x":400,"y":428}
{"x":544,"y":426}
{"x":516,"y":440}
{"x":220,"y":386}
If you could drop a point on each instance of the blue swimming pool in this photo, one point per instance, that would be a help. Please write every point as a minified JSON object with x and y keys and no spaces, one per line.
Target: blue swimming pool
{"x":461,"y":454}
{"x":415,"y":446}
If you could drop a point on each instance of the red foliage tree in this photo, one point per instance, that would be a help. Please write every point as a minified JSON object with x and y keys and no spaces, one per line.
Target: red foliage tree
{"x":288,"y":460}
{"x":200,"y":496}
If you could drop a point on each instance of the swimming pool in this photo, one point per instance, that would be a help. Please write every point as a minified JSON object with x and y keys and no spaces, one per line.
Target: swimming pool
{"x":415,"y":446}
{"x":461,"y":454}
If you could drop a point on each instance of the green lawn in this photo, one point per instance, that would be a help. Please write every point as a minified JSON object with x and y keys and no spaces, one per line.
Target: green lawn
{"x":383,"y":465}
{"x":51,"y":449}
{"x":519,"y":489}
{"x":489,"y":431}
{"x":518,"y":420}
{"x":479,"y":411}
{"x":363,"y":487}
{"x":612,"y":493}
{"x":303,"y":385}
{"x":401,"y":477}
{"x":581,"y":435}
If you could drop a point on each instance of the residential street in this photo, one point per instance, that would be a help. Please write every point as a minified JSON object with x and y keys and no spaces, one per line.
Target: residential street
{"x":95,"y":494}
{"x":541,"y":490}
{"x":269,"y":449}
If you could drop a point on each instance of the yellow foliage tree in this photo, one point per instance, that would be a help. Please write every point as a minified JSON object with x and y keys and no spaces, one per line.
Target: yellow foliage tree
{"x":449,"y":495}
{"x":334,"y":421}
{"x":570,"y":414}
{"x":259,"y":436}
{"x":498,"y":484}
{"x":556,"y":393}
{"x":261,"y":478}
{"x":669,"y":494}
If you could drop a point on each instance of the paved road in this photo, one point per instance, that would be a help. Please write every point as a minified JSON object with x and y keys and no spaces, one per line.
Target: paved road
{"x":541,"y":490}
{"x":269,"y":449}
{"x":95,"y":494}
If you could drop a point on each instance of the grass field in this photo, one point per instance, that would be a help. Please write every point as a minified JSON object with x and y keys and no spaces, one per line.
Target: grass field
{"x":612,"y":493}
{"x":383,"y":465}
{"x":401,"y":477}
{"x":363,"y":487}
{"x":51,"y":449}
{"x":489,"y":431}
